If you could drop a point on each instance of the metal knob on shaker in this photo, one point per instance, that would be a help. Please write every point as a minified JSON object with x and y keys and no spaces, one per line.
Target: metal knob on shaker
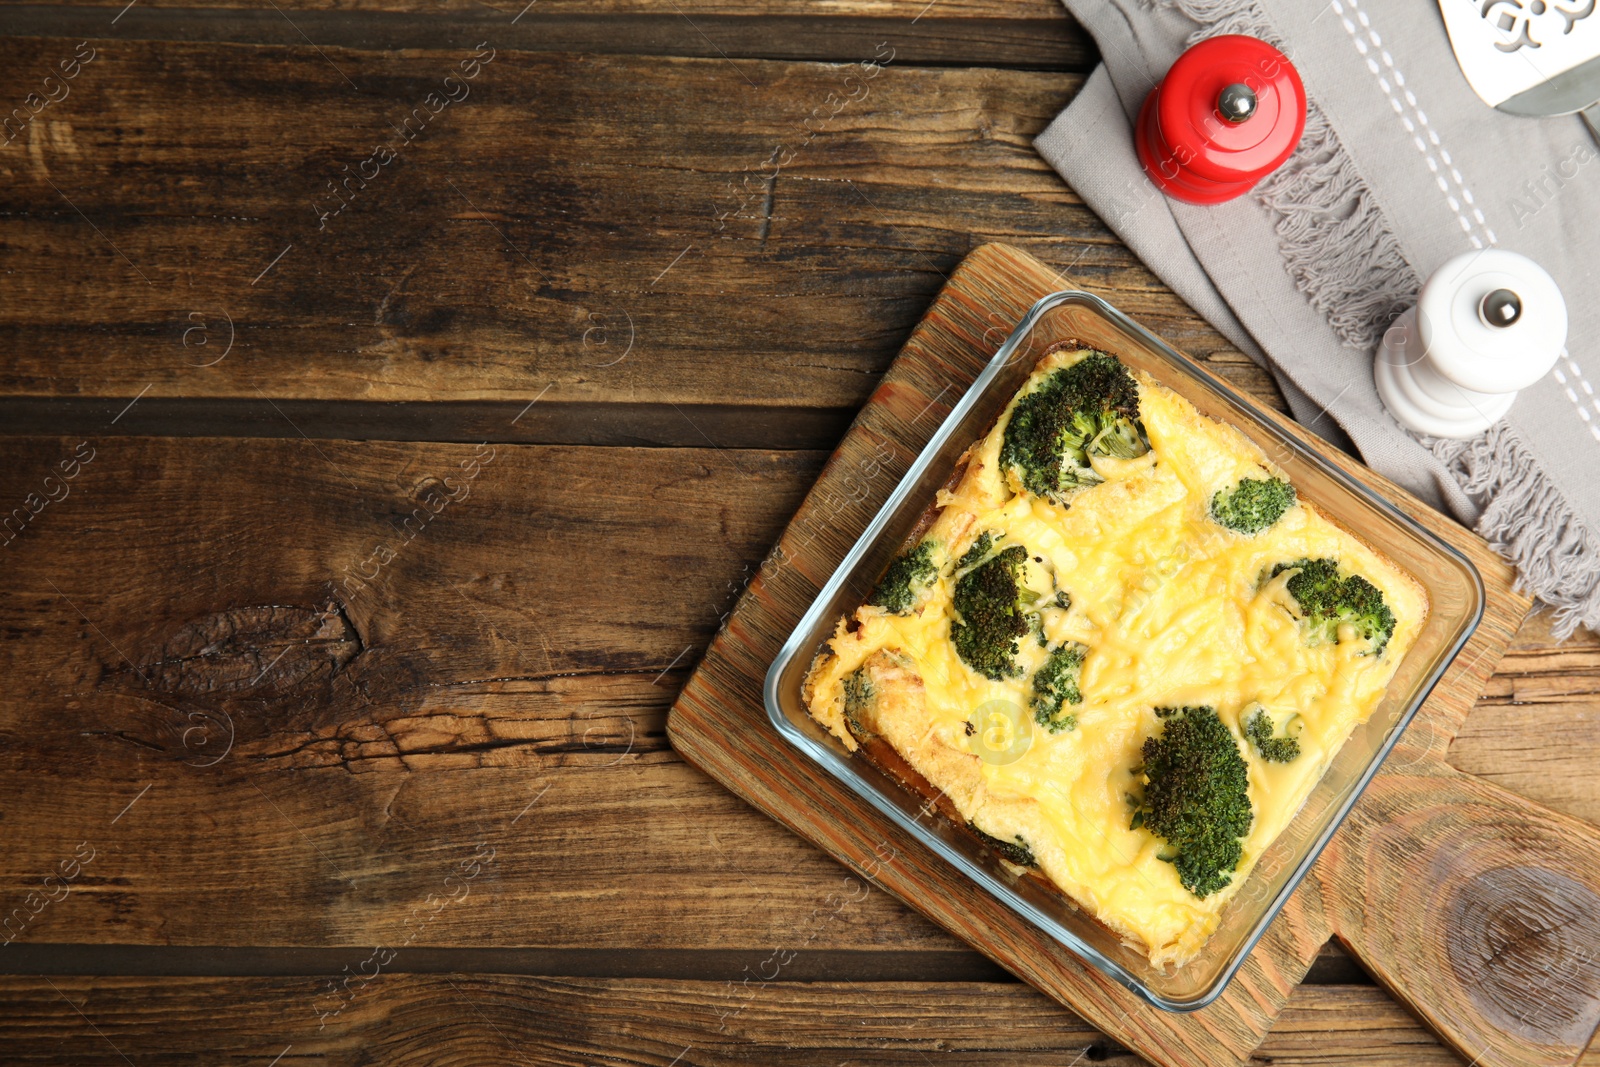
{"x":1228,"y":113}
{"x":1486,"y":325}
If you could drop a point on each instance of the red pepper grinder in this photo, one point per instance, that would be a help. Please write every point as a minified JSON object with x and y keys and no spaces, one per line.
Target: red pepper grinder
{"x":1229,"y":112}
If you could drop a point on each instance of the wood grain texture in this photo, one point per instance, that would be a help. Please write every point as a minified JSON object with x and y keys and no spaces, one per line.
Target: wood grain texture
{"x":1511,"y":885}
{"x":1534,"y":729}
{"x":475,"y":1018}
{"x":1050,"y":42}
{"x":614,"y":230}
{"x":310,"y":752}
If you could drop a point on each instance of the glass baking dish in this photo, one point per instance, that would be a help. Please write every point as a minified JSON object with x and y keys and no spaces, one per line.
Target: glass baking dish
{"x":1456,"y":600}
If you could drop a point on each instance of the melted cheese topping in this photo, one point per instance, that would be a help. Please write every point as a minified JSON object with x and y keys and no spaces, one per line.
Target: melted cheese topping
{"x":1173,"y":612}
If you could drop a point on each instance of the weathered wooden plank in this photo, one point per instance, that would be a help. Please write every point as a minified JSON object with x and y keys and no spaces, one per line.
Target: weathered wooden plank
{"x":403,"y":1019}
{"x":1546,"y":752}
{"x":1048,"y":40}
{"x":907,"y":10}
{"x":1539,"y":669}
{"x":281,"y":691}
{"x":663,"y":230}
{"x":1533,"y":731}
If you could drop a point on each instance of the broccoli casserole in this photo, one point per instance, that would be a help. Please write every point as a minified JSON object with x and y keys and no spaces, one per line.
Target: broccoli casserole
{"x":1123,"y":649}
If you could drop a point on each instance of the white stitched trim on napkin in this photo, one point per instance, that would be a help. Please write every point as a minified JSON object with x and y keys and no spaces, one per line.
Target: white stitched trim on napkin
{"x":1416,"y":122}
{"x":1366,"y":40}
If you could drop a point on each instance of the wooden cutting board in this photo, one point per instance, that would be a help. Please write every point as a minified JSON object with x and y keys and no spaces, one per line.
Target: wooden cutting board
{"x":1478,"y":909}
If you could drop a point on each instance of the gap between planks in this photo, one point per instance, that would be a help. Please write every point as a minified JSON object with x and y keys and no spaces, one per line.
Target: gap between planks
{"x":1332,"y":967}
{"x":544,"y":422}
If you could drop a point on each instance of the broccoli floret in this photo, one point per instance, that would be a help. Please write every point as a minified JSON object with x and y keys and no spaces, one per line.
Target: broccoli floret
{"x":859,"y":693}
{"x":1252,"y":505}
{"x":1088,"y":409}
{"x":999,"y":597}
{"x":1017,"y":852}
{"x":1196,"y":796}
{"x":987,"y":600}
{"x":1326,"y":601}
{"x":1273,"y":749}
{"x":1056,"y":684}
{"x":907,"y":578}
{"x":980,"y":548}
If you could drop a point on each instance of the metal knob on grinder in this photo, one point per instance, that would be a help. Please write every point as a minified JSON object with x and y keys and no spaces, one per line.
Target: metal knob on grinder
{"x":1486,"y":324}
{"x":1230,"y":111}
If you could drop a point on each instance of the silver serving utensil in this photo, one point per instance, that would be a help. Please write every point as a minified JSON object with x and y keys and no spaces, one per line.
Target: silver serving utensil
{"x":1530,"y":57}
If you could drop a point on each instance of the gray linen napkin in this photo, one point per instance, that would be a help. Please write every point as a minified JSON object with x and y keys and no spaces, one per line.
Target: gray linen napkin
{"x":1401,"y":168}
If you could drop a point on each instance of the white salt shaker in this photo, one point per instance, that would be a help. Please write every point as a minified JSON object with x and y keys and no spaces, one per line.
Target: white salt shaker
{"x":1486,"y":325}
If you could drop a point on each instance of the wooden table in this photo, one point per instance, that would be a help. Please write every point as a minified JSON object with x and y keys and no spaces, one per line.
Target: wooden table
{"x":395,"y":397}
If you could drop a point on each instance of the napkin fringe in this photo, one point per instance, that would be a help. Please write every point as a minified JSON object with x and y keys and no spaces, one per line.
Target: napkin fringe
{"x":1528,"y":520}
{"x":1335,"y":240}
{"x":1339,"y":248}
{"x":1227,"y":16}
